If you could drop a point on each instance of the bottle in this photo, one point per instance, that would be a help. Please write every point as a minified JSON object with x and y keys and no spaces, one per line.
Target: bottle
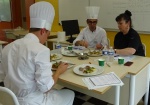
{"x":105,"y":53}
{"x":111,"y":55}
{"x":58,"y":47}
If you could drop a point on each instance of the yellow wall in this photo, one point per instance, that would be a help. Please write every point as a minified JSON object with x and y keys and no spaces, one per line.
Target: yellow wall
{"x":144,"y":37}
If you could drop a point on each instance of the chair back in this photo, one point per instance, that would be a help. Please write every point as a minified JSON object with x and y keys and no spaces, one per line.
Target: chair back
{"x":7,"y":97}
{"x":144,"y":47}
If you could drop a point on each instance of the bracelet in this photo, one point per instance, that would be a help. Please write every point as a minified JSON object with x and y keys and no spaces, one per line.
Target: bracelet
{"x":102,"y":48}
{"x":115,"y":50}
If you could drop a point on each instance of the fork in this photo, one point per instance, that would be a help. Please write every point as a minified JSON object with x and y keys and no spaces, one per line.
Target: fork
{"x":89,"y":49}
{"x":108,"y":64}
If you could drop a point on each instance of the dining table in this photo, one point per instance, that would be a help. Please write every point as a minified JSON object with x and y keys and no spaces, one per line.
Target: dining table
{"x":135,"y":78}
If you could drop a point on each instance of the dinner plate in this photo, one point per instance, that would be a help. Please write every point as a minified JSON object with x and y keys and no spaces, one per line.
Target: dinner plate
{"x":55,"y":56}
{"x":70,"y":64}
{"x":98,"y":70}
{"x":69,"y":53}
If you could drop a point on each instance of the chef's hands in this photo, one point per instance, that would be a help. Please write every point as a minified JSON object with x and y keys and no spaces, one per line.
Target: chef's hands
{"x":84,"y":43}
{"x":99,"y":46}
{"x":62,"y":68}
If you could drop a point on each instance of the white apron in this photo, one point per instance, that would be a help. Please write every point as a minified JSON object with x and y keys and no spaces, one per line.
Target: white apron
{"x":53,"y":97}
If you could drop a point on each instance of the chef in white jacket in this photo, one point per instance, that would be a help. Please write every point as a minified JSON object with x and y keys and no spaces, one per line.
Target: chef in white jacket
{"x":92,"y":36}
{"x":26,"y":67}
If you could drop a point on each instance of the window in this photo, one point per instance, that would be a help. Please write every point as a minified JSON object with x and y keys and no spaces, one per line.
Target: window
{"x":5,"y":13}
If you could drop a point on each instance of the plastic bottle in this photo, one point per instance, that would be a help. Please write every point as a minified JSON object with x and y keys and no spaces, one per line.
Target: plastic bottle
{"x":58,"y":47}
{"x":105,"y":53}
{"x":111,"y":55}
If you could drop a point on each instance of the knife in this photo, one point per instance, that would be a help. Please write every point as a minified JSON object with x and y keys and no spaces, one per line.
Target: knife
{"x":70,"y":63}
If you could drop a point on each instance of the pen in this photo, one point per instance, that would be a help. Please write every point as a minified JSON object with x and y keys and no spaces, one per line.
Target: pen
{"x":92,"y":82}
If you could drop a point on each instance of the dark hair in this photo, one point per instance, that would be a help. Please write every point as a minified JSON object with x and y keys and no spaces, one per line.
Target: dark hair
{"x":125,"y":16}
{"x":34,"y":29}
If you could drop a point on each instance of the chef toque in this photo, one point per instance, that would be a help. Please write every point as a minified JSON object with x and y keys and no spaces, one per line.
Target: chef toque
{"x":41,"y":15}
{"x":92,"y":12}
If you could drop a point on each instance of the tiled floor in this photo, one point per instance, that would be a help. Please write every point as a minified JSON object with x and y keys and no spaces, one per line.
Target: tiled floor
{"x":81,"y":99}
{"x":87,"y":100}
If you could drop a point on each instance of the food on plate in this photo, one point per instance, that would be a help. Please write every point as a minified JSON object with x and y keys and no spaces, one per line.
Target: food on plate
{"x":56,"y":64}
{"x":87,"y":69}
{"x":94,"y":52}
{"x":53,"y":56}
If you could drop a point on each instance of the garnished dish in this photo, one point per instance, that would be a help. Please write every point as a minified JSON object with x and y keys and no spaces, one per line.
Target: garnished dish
{"x":87,"y":69}
{"x":57,"y":63}
{"x":94,"y":53}
{"x":55,"y":56}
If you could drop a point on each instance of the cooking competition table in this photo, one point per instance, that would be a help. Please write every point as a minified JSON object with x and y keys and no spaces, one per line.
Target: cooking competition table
{"x":134,"y":77}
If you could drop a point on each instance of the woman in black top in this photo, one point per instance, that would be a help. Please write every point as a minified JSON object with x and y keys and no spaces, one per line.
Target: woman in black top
{"x":127,"y":41}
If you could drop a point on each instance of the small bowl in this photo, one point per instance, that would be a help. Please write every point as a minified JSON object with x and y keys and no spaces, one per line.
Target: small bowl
{"x":82,"y":56}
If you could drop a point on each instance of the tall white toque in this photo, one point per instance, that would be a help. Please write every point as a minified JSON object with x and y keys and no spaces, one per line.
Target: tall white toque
{"x":92,"y":12}
{"x":41,"y":15}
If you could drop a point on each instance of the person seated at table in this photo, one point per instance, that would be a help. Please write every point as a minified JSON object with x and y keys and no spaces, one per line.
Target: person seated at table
{"x":26,"y":67}
{"x":92,"y":36}
{"x":127,"y":41}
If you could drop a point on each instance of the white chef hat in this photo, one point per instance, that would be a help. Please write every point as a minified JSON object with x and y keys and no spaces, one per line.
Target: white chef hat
{"x":41,"y":15}
{"x":92,"y":12}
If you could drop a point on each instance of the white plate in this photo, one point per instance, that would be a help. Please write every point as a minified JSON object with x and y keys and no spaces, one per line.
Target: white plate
{"x":68,"y":53}
{"x":70,"y":64}
{"x":58,"y":56}
{"x":96,"y":72}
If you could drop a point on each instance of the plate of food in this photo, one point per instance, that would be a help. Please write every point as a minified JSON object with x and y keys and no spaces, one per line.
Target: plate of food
{"x":95,"y":53}
{"x":88,"y":70}
{"x":55,"y":64}
{"x":55,"y":56}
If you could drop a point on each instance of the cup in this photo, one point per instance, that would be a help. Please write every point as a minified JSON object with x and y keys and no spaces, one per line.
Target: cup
{"x":101,"y":62}
{"x":61,"y":36}
{"x":69,"y":47}
{"x":120,"y":60}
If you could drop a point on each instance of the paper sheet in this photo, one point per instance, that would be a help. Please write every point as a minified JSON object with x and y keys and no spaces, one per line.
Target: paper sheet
{"x":109,"y":79}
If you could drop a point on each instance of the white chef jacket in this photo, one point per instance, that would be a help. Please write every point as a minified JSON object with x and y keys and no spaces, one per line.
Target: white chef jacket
{"x":96,"y":37}
{"x":27,"y":70}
